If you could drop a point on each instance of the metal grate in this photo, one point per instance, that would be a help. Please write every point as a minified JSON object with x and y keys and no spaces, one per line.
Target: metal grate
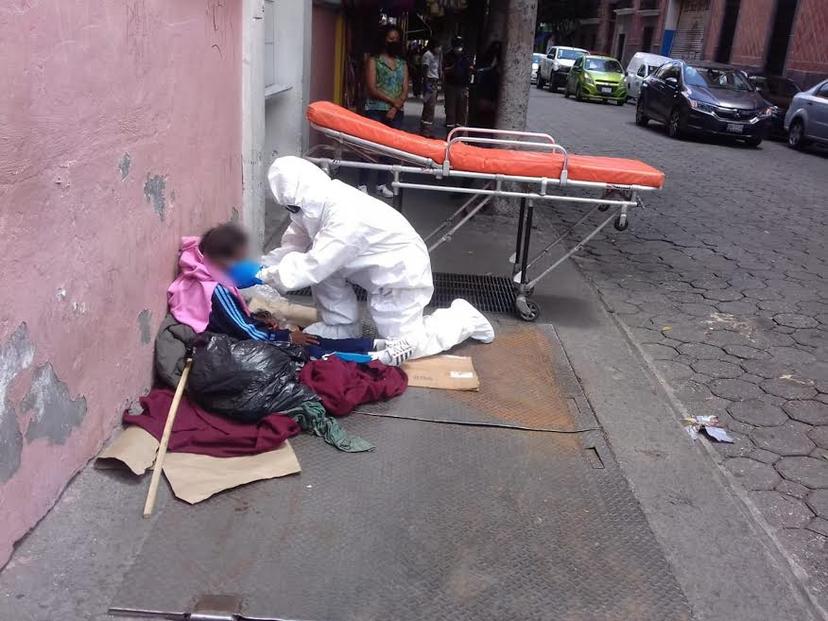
{"x":490,"y":294}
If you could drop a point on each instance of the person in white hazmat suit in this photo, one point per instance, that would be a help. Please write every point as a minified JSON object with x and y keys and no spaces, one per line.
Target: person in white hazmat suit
{"x":338,"y":236}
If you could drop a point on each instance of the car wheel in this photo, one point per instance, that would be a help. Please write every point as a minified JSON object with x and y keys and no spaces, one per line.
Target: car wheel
{"x":754,"y":141}
{"x":641,"y":119}
{"x":553,"y":84}
{"x":539,"y":83}
{"x":566,"y":91}
{"x":674,"y":124}
{"x":620,"y":102}
{"x":578,"y":95}
{"x":796,"y":135}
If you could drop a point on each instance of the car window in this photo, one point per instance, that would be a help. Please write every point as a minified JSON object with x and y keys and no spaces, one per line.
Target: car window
{"x":551,"y":53}
{"x":823,"y":91}
{"x":579,"y":62}
{"x":652,"y":69}
{"x":709,"y":77}
{"x":667,"y":70}
{"x":642,"y":71}
{"x":570,"y":54}
{"x":536,"y":58}
{"x":606,"y":65}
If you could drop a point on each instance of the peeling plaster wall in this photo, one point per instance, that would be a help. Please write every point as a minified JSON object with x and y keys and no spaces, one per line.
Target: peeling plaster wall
{"x":120,"y":130}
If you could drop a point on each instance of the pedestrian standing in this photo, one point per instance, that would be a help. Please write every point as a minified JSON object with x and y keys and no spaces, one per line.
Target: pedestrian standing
{"x":431,"y":84}
{"x":486,"y":87}
{"x":386,"y":81}
{"x":457,"y":70}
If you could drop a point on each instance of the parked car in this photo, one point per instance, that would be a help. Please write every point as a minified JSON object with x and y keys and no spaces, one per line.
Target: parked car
{"x":807,"y":117}
{"x":640,"y":66}
{"x":597,"y":77}
{"x":555,"y":67}
{"x":536,"y":60}
{"x":779,"y":91}
{"x":705,"y":99}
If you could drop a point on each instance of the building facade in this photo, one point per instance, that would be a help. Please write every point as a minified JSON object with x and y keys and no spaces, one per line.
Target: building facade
{"x":780,"y":37}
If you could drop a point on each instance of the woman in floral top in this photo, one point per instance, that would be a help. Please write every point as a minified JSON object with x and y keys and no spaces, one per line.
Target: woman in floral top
{"x":386,"y":78}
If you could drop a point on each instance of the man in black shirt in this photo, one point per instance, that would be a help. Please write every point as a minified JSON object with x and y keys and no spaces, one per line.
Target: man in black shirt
{"x":457,"y":71}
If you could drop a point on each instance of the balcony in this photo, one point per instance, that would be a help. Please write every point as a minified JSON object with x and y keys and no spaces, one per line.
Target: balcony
{"x":649,"y":7}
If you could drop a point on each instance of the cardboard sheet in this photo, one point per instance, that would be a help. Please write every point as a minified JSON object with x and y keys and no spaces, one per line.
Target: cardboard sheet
{"x":286,"y":311}
{"x":194,"y":478}
{"x":445,"y":372}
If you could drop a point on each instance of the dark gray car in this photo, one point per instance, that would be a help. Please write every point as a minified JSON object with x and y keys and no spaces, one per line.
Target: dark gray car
{"x":807,"y":117}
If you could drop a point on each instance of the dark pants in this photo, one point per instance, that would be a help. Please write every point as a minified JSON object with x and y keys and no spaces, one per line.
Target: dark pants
{"x":429,"y":103}
{"x":365,"y":175}
{"x":457,"y":105}
{"x":350,"y":346}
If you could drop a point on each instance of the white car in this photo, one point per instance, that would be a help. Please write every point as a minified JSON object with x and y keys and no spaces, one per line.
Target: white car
{"x":536,"y":60}
{"x":641,"y":65}
{"x":554,"y":68}
{"x":807,"y":117}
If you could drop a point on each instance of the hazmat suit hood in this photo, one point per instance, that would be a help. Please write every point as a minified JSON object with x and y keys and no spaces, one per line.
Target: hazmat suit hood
{"x":297,"y":182}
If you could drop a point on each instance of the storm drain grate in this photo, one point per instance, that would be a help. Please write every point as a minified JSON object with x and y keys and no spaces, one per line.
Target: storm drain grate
{"x":490,"y":294}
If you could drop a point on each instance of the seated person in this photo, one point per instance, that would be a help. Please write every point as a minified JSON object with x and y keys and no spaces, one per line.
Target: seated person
{"x":205,"y":297}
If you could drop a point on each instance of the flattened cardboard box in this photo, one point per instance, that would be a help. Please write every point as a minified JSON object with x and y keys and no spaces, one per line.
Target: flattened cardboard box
{"x":194,"y":478}
{"x":444,"y":372}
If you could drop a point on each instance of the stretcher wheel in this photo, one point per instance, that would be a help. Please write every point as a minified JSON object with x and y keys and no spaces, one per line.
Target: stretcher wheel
{"x":528,"y":310}
{"x":603,"y":207}
{"x":621,"y":222}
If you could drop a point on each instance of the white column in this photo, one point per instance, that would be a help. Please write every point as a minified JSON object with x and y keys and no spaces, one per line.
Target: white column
{"x":253,"y":120}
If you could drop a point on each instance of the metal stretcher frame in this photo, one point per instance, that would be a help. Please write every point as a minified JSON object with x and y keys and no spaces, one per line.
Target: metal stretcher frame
{"x":619,"y":198}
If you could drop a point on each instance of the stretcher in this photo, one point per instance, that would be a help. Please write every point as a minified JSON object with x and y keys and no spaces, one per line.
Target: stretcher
{"x":529,"y":166}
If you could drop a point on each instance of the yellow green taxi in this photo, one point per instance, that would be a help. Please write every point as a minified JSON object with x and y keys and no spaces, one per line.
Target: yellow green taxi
{"x":597,"y":78}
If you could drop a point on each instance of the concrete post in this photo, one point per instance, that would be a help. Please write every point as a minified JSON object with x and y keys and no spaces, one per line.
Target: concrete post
{"x":253,"y":120}
{"x":521,"y":18}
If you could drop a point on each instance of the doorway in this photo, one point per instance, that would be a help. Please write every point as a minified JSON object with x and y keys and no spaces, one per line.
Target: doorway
{"x":731,"y":16}
{"x":647,"y":39}
{"x":780,"y":36}
{"x":619,"y":54}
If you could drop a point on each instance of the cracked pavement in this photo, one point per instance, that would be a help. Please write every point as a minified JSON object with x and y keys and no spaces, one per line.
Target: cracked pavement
{"x":722,"y":282}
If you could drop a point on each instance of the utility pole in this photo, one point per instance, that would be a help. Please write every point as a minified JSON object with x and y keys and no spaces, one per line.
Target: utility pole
{"x":521,"y":18}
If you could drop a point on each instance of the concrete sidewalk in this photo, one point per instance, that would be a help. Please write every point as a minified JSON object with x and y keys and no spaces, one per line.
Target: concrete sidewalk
{"x":74,"y":562}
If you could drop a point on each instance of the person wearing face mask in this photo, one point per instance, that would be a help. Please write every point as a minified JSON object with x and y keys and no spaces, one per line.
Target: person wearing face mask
{"x":431,"y":83}
{"x":386,"y":80}
{"x":339,"y":237}
{"x":457,"y":72}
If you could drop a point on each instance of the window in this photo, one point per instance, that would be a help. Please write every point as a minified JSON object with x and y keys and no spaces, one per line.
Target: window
{"x":606,"y":65}
{"x":570,"y":54}
{"x":551,"y":53}
{"x":823,"y":91}
{"x":670,"y":70}
{"x":729,"y":79}
{"x":578,"y":62}
{"x":642,"y":71}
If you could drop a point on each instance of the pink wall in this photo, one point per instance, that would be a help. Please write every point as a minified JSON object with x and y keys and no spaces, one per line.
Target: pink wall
{"x":119,"y":131}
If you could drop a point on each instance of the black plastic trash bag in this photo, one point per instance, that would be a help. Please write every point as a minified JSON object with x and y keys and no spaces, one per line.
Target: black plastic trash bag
{"x":246,"y":380}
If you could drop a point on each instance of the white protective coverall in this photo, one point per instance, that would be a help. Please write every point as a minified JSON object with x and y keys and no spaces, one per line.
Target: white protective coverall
{"x":339,"y":236}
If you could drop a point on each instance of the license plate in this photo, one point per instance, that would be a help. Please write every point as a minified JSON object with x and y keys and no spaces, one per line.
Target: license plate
{"x":606,"y":90}
{"x":734,"y":128}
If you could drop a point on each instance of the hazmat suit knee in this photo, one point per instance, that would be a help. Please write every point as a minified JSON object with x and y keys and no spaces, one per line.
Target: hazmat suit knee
{"x":339,"y":236}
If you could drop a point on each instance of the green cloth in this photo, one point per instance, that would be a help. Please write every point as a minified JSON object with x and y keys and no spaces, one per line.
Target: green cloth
{"x":312,"y":418}
{"x":389,"y":82}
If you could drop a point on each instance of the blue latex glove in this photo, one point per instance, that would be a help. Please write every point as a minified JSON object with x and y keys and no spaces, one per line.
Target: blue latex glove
{"x":244,"y":273}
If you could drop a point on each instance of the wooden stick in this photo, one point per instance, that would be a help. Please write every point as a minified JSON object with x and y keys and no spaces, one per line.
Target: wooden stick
{"x":165,"y":439}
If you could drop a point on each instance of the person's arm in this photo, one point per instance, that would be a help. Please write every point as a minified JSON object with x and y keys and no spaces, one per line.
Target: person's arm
{"x":337,"y":243}
{"x":228,"y":317}
{"x":371,"y":82}
{"x":294,"y":239}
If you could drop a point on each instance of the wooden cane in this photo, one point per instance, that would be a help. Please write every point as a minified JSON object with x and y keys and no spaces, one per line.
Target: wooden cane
{"x":165,"y":439}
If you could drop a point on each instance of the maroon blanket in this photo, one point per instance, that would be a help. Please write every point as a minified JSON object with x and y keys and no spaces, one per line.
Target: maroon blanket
{"x":342,"y":385}
{"x":197,"y":431}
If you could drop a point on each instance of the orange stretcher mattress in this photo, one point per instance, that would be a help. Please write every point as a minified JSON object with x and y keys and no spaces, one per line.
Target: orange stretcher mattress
{"x":469,"y":158}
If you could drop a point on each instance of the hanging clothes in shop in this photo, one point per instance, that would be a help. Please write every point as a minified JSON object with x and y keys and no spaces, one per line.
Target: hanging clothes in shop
{"x":198,"y":431}
{"x":343,"y":386}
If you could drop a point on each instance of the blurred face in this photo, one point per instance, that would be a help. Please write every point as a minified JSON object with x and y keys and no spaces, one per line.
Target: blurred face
{"x":392,"y":37}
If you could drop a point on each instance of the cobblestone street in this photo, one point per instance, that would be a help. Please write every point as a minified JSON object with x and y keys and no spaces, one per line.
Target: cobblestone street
{"x":722,"y":282}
